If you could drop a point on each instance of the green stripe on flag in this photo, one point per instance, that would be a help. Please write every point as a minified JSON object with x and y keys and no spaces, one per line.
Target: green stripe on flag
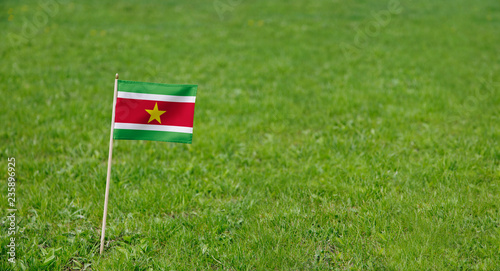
{"x":152,"y":135}
{"x":155,"y":88}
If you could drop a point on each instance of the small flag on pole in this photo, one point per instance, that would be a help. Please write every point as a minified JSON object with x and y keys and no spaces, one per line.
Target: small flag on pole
{"x":151,"y":111}
{"x":148,"y":111}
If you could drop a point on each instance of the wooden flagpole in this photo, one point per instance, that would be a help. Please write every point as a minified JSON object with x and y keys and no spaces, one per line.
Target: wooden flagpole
{"x":110,"y":158}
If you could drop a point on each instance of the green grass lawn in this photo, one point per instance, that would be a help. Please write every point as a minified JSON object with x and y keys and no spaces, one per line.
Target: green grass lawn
{"x":323,"y":139}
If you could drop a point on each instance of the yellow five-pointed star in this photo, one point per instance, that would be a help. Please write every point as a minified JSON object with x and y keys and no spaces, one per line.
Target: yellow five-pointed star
{"x":155,"y":114}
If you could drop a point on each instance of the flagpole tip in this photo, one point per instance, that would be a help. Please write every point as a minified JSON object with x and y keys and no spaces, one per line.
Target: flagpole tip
{"x":116,"y":77}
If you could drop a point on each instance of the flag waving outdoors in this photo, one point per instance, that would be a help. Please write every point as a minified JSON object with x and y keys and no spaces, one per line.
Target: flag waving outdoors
{"x":152,"y":111}
{"x":149,"y":111}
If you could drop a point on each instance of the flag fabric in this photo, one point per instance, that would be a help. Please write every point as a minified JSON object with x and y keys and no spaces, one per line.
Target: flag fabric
{"x":152,"y":111}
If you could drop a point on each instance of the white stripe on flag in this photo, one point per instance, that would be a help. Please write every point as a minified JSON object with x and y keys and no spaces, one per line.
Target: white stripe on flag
{"x":152,"y":127}
{"x":156,"y":97}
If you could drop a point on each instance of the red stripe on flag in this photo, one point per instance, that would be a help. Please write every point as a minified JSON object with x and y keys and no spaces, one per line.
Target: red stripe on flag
{"x":134,"y":111}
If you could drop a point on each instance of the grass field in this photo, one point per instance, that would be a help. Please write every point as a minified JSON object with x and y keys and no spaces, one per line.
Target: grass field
{"x":328,"y":135}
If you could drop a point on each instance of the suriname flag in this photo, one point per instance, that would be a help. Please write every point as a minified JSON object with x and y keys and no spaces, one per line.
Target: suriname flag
{"x":151,"y":111}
